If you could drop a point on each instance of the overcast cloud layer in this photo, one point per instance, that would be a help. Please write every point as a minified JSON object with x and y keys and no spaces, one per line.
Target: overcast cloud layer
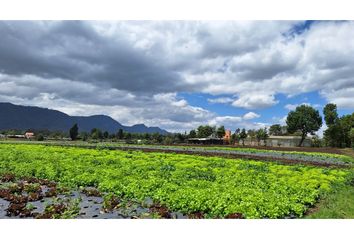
{"x":133,"y":71}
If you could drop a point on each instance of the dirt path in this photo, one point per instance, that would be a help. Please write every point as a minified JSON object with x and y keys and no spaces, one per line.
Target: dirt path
{"x":347,"y":151}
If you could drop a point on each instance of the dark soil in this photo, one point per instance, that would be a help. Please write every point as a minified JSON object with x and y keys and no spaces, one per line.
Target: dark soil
{"x":235,"y":216}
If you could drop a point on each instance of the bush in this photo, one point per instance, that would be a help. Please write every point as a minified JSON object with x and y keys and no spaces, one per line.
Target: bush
{"x":40,"y":137}
{"x":317,"y":142}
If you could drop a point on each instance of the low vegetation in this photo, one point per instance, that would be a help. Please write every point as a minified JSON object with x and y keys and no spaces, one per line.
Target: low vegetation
{"x":206,"y":187}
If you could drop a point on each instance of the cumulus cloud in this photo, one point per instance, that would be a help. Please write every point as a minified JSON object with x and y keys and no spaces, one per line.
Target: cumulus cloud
{"x":251,"y":115}
{"x":134,"y":70}
{"x":292,"y":107}
{"x":220,"y":100}
{"x":255,"y":101}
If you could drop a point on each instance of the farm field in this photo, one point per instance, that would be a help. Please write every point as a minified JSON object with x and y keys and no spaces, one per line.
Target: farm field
{"x":138,"y":184}
{"x":321,"y":158}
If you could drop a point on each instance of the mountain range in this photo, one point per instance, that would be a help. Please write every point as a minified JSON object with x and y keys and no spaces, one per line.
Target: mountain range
{"x":27,"y":117}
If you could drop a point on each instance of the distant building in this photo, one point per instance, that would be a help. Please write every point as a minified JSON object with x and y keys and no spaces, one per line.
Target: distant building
{"x":212,"y":139}
{"x":227,"y":137}
{"x":280,"y":141}
{"x":16,"y":136}
{"x":29,"y":135}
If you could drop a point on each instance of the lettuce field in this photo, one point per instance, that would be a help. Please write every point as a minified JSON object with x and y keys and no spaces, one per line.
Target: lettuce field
{"x":208,"y":187}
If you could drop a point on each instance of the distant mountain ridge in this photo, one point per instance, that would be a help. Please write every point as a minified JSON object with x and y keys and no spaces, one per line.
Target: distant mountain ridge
{"x":27,"y":117}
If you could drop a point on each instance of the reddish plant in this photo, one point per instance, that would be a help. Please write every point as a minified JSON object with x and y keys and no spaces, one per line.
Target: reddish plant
{"x":8,"y":177}
{"x":234,"y":216}
{"x":161,"y":211}
{"x":91,"y":192}
{"x":196,"y":215}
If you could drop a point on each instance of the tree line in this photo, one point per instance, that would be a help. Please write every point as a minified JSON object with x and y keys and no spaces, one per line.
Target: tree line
{"x":303,"y":121}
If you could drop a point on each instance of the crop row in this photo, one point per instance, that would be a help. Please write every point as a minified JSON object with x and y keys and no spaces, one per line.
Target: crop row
{"x":214,"y":186}
{"x":317,"y":157}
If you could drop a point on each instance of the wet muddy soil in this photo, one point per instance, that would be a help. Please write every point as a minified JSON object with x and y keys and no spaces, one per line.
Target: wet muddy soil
{"x":40,"y":198}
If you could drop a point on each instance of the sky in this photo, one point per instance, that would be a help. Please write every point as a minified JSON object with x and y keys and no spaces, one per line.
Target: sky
{"x":178,"y":75}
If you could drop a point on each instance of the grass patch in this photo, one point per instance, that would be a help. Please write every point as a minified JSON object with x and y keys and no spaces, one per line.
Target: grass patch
{"x":337,"y":205}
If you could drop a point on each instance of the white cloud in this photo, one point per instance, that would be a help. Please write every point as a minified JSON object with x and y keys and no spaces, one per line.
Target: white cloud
{"x":251,"y":115}
{"x":280,"y":120}
{"x":133,"y":70}
{"x":220,"y":100}
{"x":292,"y":107}
{"x":344,"y":98}
{"x":255,"y":101}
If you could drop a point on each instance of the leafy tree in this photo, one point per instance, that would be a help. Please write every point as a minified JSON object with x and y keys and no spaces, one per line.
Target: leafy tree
{"x":84,"y":136}
{"x":120,"y":134}
{"x":146,"y":136}
{"x":157,"y":137}
{"x":252,"y":134}
{"x":192,"y":134}
{"x":220,"y":132}
{"x":205,"y":131}
{"x":316,"y":141}
{"x":346,"y":123}
{"x":261,"y":134}
{"x":332,"y":135}
{"x":40,"y":137}
{"x":243,"y":136}
{"x":275,"y":130}
{"x":96,"y":133}
{"x":330,"y":114}
{"x":74,"y":132}
{"x":284,"y":130}
{"x":351,"y":136}
{"x":236,"y":136}
{"x":338,"y":132}
{"x":179,"y":138}
{"x":127,"y":135}
{"x":168,"y":140}
{"x":105,"y":135}
{"x":305,"y":119}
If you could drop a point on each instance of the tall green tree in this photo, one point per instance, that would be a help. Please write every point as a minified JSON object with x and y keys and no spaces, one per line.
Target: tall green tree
{"x":305,"y":119}
{"x":220,"y":132}
{"x":120,"y":134}
{"x":127,"y":135}
{"x":146,"y":136}
{"x":252,"y":134}
{"x":330,"y":114}
{"x":338,"y":129}
{"x":275,"y":130}
{"x":74,"y":132}
{"x":261,"y":134}
{"x":205,"y":131}
{"x":96,"y":133}
{"x":192,"y":134}
{"x":157,"y":137}
{"x":243,"y":136}
{"x":105,"y":135}
{"x":236,"y":136}
{"x":351,"y":136}
{"x":84,"y":136}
